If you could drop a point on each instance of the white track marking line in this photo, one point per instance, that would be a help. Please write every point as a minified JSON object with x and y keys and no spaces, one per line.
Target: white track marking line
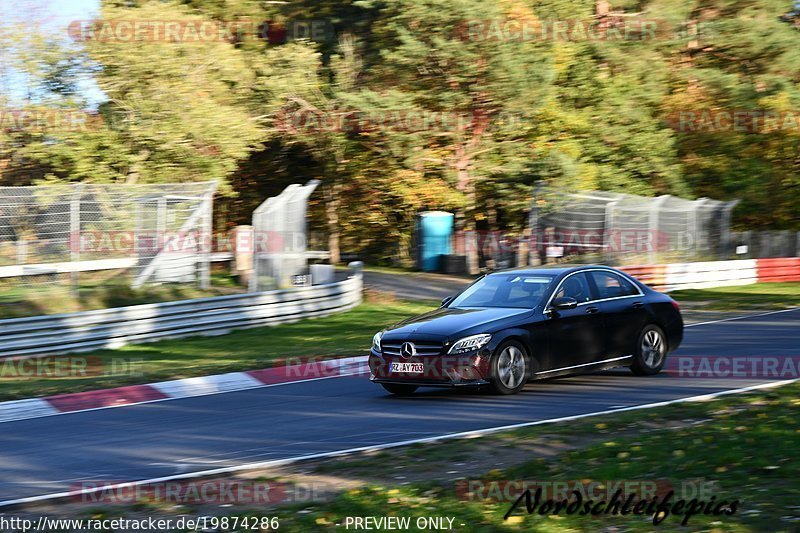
{"x":740,"y":317}
{"x":378,"y":447}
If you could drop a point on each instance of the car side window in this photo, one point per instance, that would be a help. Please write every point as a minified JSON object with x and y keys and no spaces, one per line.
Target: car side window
{"x":610,"y":285}
{"x":575,"y":286}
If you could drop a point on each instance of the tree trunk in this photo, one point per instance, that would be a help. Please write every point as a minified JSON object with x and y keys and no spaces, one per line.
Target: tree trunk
{"x":523,"y":248}
{"x":404,"y":242}
{"x":332,"y":200}
{"x":465,"y":216}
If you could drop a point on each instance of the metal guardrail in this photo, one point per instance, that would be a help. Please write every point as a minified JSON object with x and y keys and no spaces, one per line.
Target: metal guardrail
{"x":66,"y":267}
{"x":112,"y":328}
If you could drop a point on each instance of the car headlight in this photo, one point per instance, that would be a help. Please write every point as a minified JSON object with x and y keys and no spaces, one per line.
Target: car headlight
{"x":376,"y":341}
{"x":470,"y":344}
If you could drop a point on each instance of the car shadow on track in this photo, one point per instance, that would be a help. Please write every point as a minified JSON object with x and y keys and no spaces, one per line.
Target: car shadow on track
{"x":603,"y":380}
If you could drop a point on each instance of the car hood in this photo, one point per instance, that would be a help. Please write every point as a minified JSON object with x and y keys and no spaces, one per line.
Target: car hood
{"x":447,"y":323}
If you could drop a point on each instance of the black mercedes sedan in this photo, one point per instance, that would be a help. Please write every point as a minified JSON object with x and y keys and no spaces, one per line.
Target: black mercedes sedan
{"x":524,"y":324}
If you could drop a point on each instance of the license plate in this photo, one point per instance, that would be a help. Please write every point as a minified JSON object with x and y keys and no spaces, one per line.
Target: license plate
{"x":408,"y":368}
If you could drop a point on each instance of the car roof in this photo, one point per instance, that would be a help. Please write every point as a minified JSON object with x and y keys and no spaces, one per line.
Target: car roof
{"x":551,"y":270}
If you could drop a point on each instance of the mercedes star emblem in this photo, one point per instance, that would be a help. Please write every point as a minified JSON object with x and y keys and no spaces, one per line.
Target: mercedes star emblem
{"x":408,"y":350}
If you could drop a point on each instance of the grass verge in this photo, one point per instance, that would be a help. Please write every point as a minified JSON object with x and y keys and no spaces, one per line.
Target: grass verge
{"x":36,"y":296}
{"x":767,"y":296}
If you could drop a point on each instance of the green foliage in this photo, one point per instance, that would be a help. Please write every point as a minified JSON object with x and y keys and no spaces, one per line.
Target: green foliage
{"x":577,"y":114}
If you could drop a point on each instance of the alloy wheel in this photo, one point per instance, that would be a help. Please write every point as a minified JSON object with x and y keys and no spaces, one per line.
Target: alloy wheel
{"x":511,"y":367}
{"x":652,"y":348}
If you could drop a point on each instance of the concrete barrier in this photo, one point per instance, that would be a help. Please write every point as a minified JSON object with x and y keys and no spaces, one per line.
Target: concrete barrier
{"x":707,"y":274}
{"x":779,"y":269}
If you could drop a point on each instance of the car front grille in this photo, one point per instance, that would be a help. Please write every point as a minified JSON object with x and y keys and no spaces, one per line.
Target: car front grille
{"x":423,"y":347}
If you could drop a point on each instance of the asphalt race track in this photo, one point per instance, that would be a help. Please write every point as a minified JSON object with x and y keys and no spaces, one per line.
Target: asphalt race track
{"x":49,"y":455}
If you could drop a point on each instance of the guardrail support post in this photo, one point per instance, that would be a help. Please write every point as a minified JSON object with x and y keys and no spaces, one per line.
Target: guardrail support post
{"x":356,"y":267}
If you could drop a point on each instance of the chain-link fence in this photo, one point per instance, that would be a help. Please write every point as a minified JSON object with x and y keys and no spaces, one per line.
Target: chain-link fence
{"x":623,"y":228}
{"x":51,"y":234}
{"x":280,"y":245}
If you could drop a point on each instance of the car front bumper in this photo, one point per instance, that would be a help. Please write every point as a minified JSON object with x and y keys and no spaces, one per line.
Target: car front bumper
{"x":437,"y":370}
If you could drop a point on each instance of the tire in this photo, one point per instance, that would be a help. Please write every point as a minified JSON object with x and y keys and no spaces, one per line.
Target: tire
{"x":398,"y":389}
{"x":651,"y":351}
{"x":509,"y":368}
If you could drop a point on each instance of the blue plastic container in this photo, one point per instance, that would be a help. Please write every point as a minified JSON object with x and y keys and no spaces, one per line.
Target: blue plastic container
{"x":435,"y":235}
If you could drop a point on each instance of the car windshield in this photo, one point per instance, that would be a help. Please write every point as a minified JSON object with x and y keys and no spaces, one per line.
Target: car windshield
{"x":524,"y":291}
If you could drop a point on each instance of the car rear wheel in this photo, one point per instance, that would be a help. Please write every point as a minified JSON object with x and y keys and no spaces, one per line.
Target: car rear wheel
{"x":651,"y":351}
{"x":509,"y":368}
{"x":398,"y":389}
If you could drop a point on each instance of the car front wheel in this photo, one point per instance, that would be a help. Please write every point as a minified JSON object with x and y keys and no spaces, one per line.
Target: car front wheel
{"x":651,"y":351}
{"x":509,"y":368}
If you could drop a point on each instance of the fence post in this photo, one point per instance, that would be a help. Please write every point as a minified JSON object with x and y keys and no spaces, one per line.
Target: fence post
{"x":608,"y":228}
{"x":205,"y":241}
{"x":698,"y":233}
{"x":22,"y":251}
{"x":655,"y":210}
{"x":725,"y":223}
{"x":252,"y":281}
{"x":747,"y":238}
{"x":764,"y":244}
{"x":75,"y":234}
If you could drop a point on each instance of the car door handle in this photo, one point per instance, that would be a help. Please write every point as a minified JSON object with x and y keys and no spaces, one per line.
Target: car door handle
{"x":637,"y":305}
{"x":592,"y":310}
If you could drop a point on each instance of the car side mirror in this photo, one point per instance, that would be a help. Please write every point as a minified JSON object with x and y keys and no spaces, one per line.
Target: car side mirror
{"x":446,"y":300}
{"x":565,"y":302}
